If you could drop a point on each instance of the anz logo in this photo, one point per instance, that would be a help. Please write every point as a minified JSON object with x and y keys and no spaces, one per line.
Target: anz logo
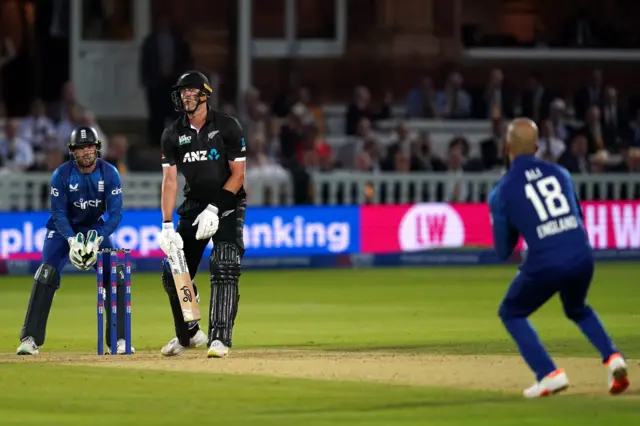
{"x":203,"y":155}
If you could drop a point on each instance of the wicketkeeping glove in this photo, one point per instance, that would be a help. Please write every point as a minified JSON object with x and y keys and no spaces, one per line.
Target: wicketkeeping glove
{"x":207,"y":223}
{"x":91,"y":248}
{"x":77,"y":251}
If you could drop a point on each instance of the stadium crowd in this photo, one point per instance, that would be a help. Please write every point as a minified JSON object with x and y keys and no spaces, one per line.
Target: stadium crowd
{"x":591,"y":133}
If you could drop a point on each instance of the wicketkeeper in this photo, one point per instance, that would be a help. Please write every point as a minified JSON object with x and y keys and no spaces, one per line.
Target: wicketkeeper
{"x":82,"y":191}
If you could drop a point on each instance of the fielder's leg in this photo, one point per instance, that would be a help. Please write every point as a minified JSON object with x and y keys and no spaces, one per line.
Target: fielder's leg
{"x":525,"y":295}
{"x":187,"y":335}
{"x":224,"y":265}
{"x":573,"y":296}
{"x":45,"y":283}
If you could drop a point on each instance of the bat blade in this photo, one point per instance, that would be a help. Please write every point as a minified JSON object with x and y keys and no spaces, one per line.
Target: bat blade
{"x":184,"y":287}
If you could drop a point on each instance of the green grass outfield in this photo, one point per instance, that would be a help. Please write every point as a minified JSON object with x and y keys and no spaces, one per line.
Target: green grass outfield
{"x":335,"y":347}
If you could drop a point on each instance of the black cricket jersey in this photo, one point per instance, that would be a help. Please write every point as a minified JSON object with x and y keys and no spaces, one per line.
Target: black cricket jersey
{"x":203,"y":157}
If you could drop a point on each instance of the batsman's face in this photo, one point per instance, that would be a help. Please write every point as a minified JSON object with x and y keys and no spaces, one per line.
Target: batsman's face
{"x":189,"y":97}
{"x":86,"y":156}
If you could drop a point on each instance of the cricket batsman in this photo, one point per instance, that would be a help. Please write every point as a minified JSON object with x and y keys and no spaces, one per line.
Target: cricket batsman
{"x":82,"y":191}
{"x":536,"y":200}
{"x":208,"y":148}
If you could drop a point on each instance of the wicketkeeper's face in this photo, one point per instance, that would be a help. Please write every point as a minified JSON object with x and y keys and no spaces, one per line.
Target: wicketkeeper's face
{"x":86,"y":155}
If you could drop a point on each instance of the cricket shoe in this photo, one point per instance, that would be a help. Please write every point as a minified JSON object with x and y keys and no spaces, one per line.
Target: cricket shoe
{"x":217,"y":350}
{"x":174,"y":348}
{"x":27,"y":347}
{"x":121,"y":348}
{"x":618,"y":375}
{"x":554,"y":382}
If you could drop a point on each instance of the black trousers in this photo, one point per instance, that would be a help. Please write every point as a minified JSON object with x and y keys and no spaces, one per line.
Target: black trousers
{"x":230,"y":230}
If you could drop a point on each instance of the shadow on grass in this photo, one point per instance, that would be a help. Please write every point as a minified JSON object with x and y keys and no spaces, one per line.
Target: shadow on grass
{"x":573,"y":347}
{"x":439,"y":403}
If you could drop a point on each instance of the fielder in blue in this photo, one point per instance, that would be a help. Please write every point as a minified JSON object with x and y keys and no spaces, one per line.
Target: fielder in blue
{"x":536,"y":200}
{"x":83,"y":191}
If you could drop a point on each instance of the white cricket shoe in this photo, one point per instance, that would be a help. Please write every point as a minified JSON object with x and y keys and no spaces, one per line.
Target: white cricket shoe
{"x":217,"y":350}
{"x":553,"y":383}
{"x":27,"y":347}
{"x":618,"y":375}
{"x":121,"y":348}
{"x":174,"y":348}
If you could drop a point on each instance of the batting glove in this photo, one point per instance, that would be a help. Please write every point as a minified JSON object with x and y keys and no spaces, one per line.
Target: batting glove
{"x":169,"y":239}
{"x":77,"y":251}
{"x":207,"y":222}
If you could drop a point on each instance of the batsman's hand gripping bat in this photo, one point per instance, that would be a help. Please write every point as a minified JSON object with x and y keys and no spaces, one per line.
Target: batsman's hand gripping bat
{"x":184,"y":286}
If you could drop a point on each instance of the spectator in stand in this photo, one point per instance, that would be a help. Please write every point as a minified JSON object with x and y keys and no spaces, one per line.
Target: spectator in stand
{"x":631,"y":162}
{"x":65,"y":127}
{"x":558,"y":116}
{"x":313,"y":141}
{"x":291,"y":135}
{"x":402,"y":141}
{"x":491,"y":149}
{"x":576,"y":158}
{"x":614,"y":118}
{"x":253,"y":112}
{"x":591,"y":95}
{"x":314,"y":111}
{"x":633,"y":132}
{"x":550,"y":148}
{"x":61,"y":110}
{"x":117,"y":153}
{"x":37,"y":128}
{"x":536,"y":100}
{"x":592,"y":129}
{"x":497,"y":101}
{"x":453,"y":101}
{"x":423,"y":152}
{"x":455,"y":190}
{"x":361,"y":108}
{"x":369,"y":158}
{"x":16,"y":154}
{"x":422,"y":101}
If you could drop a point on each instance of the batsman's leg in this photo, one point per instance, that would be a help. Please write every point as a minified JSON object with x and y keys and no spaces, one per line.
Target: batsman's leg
{"x":45,"y":283}
{"x":224,"y":265}
{"x":187,"y":335}
{"x":574,"y":295}
{"x":525,"y":295}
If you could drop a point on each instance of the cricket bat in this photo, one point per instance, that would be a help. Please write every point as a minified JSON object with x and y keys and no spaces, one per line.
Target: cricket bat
{"x":184,"y":286}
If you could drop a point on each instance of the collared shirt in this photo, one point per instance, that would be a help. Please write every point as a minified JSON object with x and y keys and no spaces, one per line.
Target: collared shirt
{"x":203,"y":156}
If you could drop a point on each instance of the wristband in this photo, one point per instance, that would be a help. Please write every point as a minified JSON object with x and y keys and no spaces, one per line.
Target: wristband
{"x":228,"y":201}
